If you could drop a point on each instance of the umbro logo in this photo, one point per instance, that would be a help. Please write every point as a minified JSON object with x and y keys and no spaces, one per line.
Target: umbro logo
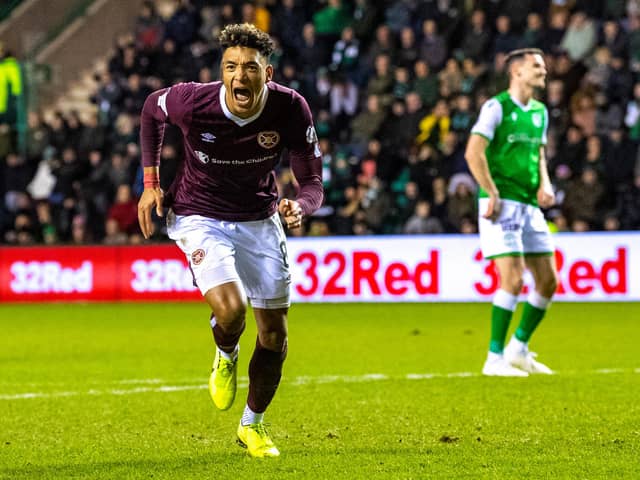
{"x":208,"y":137}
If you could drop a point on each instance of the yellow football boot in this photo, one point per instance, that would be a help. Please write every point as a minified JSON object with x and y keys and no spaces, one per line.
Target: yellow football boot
{"x":256,"y":440}
{"x":223,"y":380}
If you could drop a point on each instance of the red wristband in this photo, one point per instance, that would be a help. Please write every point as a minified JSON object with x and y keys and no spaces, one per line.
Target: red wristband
{"x":150,"y":180}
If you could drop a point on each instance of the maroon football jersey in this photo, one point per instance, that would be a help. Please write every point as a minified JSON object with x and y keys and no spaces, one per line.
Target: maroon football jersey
{"x":228,"y":168}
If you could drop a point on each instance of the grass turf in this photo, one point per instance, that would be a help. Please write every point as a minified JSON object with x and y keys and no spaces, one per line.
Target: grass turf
{"x":118,"y":391}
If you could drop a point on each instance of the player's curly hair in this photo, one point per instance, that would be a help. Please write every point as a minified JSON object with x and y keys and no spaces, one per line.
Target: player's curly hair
{"x":246,"y":35}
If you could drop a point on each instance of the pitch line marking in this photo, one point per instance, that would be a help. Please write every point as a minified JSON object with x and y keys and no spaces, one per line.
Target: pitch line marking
{"x":243,"y":382}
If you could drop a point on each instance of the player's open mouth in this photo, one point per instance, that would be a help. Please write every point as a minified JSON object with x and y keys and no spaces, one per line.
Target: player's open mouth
{"x":241,"y":95}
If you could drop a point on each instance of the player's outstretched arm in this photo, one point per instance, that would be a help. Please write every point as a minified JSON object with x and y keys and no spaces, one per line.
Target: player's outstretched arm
{"x":479,"y":167}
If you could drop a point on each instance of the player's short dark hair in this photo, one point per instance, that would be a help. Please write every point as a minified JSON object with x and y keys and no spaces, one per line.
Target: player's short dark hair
{"x":246,"y":35}
{"x":519,"y":54}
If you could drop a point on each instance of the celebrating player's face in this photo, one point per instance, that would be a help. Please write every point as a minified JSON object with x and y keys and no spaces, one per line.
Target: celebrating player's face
{"x":244,"y":73}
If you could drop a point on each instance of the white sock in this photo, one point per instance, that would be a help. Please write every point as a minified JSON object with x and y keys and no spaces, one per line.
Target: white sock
{"x":538,"y":300}
{"x":517,"y":344}
{"x":505,"y":300}
{"x":249,"y":416}
{"x":230,"y":356}
{"x":494,"y":357}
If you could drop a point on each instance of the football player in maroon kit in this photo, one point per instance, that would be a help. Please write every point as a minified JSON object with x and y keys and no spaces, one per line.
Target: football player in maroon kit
{"x":223,"y":209}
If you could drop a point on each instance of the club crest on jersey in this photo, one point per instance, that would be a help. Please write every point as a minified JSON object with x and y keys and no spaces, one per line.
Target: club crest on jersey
{"x":536,"y":118}
{"x":203,"y":157}
{"x":268,"y":139}
{"x":197,"y":256}
{"x":208,"y":137}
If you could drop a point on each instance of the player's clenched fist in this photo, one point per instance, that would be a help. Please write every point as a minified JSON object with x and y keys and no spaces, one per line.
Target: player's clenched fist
{"x":291,"y":212}
{"x":150,"y":198}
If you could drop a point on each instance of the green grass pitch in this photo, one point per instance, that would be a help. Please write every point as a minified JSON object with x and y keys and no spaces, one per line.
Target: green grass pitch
{"x":369,"y":391}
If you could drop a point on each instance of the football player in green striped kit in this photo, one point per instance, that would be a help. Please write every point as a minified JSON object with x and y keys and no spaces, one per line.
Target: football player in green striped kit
{"x":506,"y":156}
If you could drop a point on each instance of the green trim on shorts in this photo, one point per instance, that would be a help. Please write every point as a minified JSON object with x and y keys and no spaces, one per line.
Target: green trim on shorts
{"x":508,"y":254}
{"x":539,"y":254}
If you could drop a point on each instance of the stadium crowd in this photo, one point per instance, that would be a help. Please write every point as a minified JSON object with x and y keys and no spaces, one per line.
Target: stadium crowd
{"x":394,"y":87}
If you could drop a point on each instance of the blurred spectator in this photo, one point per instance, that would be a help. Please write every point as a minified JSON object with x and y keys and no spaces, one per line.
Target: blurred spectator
{"x":461,"y":203}
{"x":346,"y":53}
{"x":504,"y":39}
{"x":435,"y":126}
{"x":556,"y":103}
{"x":594,"y":158}
{"x":534,"y":35}
{"x":628,"y":205}
{"x":381,"y":82}
{"x":422,"y":221}
{"x":113,"y":235}
{"x":440,"y":201}
{"x":634,"y":42}
{"x":571,"y":152}
{"x":425,"y":83}
{"x":614,"y":39}
{"x":383,"y":44}
{"x":632,"y":115}
{"x":556,"y":31}
{"x":364,"y":19}
{"x":409,"y":53}
{"x":583,"y":111}
{"x":125,"y":211}
{"x":620,"y":84}
{"x":343,"y":103}
{"x":433,"y":47}
{"x":582,"y":200}
{"x":79,"y":233}
{"x":182,"y":26}
{"x":580,"y":36}
{"x":619,"y":159}
{"x":330,"y":21}
{"x":149,"y":28}
{"x":367,"y":123}
{"x":477,"y":39}
{"x":311,"y":54}
{"x":471,"y":75}
{"x":37,"y":138}
{"x":451,"y":77}
{"x":288,"y":21}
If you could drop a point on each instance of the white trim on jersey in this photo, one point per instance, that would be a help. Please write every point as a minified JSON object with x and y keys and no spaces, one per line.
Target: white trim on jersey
{"x":162,"y":101}
{"x":234,"y":118}
{"x":526,"y":107}
{"x":489,"y":119}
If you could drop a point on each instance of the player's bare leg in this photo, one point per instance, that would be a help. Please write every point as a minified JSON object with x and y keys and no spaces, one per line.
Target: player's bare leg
{"x":229,"y":307}
{"x":545,"y":277}
{"x":511,"y":270}
{"x":265,"y":371}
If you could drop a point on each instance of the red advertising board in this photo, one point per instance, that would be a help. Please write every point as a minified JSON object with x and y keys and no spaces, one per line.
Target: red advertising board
{"x":157,"y":272}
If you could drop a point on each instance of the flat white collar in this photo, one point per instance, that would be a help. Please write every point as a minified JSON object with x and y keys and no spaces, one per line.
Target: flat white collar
{"x":234,"y":118}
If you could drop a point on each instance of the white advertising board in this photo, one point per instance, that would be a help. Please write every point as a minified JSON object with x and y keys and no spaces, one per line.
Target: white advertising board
{"x":450,"y":268}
